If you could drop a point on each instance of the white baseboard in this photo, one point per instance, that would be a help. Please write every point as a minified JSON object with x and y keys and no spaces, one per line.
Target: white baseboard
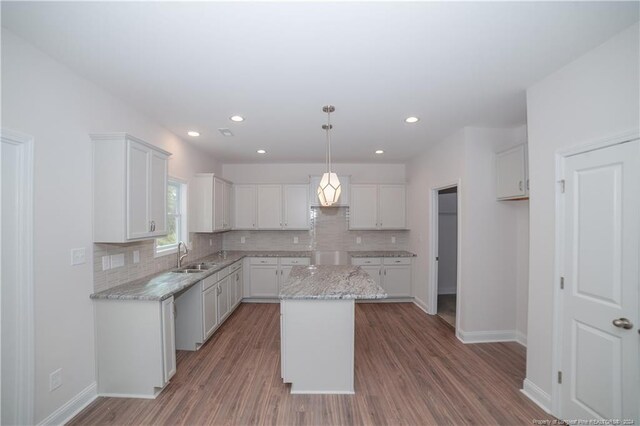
{"x":389,"y":300}
{"x":487,"y":336}
{"x":421,"y":304}
{"x":76,"y":404}
{"x":521,"y":338}
{"x":537,"y":395}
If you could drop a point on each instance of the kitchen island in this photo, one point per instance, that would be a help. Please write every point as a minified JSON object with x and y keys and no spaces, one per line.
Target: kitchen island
{"x":317,"y":326}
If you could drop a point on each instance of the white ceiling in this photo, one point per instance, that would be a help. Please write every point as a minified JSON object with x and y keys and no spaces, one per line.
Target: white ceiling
{"x":191,"y":65}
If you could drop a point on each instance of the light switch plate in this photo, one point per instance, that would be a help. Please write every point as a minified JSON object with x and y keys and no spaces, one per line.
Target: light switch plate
{"x":243,"y":240}
{"x":295,"y":240}
{"x":393,"y":240}
{"x":117,"y":260}
{"x":78,"y":256}
{"x":136,"y":256}
{"x":358,"y":240}
{"x":106,"y":263}
{"x":210,"y":242}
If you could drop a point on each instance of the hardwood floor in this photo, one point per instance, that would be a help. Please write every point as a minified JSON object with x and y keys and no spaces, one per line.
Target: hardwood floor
{"x":410,"y":370}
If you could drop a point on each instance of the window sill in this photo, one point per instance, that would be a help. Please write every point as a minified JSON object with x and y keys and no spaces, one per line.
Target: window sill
{"x":170,"y":250}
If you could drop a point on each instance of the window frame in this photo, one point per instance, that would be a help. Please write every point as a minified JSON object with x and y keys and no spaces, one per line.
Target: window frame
{"x":159,"y":251}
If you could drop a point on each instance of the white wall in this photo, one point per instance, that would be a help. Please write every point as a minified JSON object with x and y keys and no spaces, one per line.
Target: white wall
{"x":489,"y":243}
{"x":447,"y":243}
{"x":42,"y":98}
{"x":299,"y":173}
{"x":594,"y":97}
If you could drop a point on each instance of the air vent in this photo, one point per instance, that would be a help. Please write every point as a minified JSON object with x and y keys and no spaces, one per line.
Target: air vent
{"x":225,"y":132}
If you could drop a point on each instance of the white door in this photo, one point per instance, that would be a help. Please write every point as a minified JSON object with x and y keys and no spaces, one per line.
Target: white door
{"x":296,"y":206}
{"x":269,"y":206}
{"x":227,"y":206}
{"x":510,"y":173}
{"x":168,"y":339}
{"x":599,"y":359}
{"x":392,"y":212}
{"x":397,"y":280}
{"x":244,"y":207}
{"x":138,"y":186}
{"x":375,"y":272}
{"x":218,"y":204}
{"x":209,"y":310}
{"x":264,"y":281}
{"x":223,"y":298}
{"x":158,"y":193}
{"x":363,"y":212}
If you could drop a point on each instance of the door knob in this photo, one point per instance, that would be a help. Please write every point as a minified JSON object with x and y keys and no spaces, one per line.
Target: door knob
{"x":622,"y":323}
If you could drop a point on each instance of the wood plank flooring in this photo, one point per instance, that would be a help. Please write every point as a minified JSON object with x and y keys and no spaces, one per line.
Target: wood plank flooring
{"x":410,"y":370}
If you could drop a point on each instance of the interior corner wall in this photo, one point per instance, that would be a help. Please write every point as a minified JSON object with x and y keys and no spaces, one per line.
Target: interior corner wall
{"x":59,"y":109}
{"x":593,"y":98}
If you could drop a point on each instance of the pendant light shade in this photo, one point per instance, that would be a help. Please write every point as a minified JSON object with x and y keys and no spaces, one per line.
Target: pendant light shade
{"x":329,"y":189}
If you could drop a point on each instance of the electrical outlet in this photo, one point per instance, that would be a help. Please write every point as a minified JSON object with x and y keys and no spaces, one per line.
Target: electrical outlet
{"x":358,"y":240}
{"x":55,"y":380}
{"x":136,"y":256}
{"x":117,"y":260}
{"x":393,"y":240}
{"x":243,"y":240}
{"x":210,"y":242}
{"x":295,"y":240}
{"x":78,"y":256}
{"x":106,"y":263}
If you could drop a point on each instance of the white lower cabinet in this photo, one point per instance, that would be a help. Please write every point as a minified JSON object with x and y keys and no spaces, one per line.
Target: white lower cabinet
{"x":393,"y":274}
{"x":266,"y":274}
{"x":203,"y":308}
{"x":135,"y":346}
{"x":209,"y":312}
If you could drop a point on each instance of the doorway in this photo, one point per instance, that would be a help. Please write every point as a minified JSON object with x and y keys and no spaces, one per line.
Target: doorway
{"x":597,"y":355}
{"x":447,"y":254}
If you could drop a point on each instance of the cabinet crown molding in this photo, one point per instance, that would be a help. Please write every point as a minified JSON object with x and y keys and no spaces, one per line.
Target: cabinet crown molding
{"x":124,"y":135}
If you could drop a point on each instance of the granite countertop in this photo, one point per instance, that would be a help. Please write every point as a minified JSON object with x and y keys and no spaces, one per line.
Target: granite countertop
{"x":381,"y":253}
{"x":165,"y":284}
{"x":330,"y":282}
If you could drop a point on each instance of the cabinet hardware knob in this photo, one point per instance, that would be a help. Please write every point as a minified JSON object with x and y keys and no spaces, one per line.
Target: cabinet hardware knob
{"x":622,"y":323}
{"x":520,"y":185}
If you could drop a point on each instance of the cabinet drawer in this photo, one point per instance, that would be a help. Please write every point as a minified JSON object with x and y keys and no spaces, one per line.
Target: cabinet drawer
{"x":397,"y":261}
{"x":235,"y":267}
{"x":223,"y":273}
{"x":293,"y":261}
{"x":264,"y":261}
{"x":366,"y":261}
{"x":209,"y":281}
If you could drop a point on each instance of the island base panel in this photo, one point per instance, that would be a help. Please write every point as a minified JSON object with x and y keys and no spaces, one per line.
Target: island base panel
{"x":317,"y":338}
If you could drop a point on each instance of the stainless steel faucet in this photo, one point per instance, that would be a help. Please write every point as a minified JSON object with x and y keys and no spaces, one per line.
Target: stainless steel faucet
{"x":186,"y":252}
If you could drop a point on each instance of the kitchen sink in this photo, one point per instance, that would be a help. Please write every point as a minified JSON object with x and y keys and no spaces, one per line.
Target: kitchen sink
{"x":194,"y":268}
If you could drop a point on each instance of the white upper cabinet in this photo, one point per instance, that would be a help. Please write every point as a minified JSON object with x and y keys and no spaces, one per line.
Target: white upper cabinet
{"x":512,"y":181}
{"x":245,"y":206}
{"x":296,"y":206}
{"x":271,"y":207}
{"x":378,"y":207}
{"x":392,"y":206}
{"x":130,"y":189}
{"x":209,"y":203}
{"x":345,"y":195}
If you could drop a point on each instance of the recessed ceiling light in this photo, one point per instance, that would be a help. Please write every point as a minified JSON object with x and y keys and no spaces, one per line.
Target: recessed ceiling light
{"x":236,"y":118}
{"x":193,"y":133}
{"x":411,"y":119}
{"x":379,"y":151}
{"x":262,"y":151}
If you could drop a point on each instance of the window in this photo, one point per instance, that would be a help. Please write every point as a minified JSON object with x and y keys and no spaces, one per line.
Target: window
{"x":176,"y":218}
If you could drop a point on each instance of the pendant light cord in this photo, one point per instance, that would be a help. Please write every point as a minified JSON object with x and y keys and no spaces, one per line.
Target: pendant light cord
{"x":329,"y":139}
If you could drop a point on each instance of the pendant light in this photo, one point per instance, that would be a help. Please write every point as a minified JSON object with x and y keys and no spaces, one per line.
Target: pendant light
{"x":329,"y":189}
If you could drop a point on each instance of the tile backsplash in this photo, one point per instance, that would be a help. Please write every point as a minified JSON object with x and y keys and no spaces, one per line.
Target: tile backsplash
{"x":329,"y":231}
{"x":148,"y":265}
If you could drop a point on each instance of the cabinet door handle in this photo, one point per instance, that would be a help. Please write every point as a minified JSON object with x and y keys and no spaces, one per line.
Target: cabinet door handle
{"x":527,"y":184}
{"x":520,"y":185}
{"x":379,"y":271}
{"x":385,"y":272}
